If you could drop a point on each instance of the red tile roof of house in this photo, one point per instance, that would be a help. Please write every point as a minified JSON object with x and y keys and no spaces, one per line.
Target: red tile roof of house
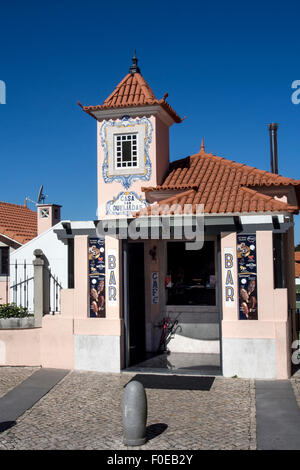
{"x":17,"y":222}
{"x":223,"y":186}
{"x":133,"y":90}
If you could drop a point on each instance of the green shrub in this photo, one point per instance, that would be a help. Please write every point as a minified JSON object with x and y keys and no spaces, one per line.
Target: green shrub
{"x":13,"y":311}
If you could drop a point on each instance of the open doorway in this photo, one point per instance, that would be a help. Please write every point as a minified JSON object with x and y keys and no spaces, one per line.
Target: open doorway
{"x":135,"y":321}
{"x":188,"y":295}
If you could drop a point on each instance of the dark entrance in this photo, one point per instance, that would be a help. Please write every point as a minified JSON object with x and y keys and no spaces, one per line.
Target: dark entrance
{"x":135,"y":321}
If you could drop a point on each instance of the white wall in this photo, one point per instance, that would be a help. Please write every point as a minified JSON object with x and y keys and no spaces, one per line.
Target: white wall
{"x":249,"y":358}
{"x":55,"y":251}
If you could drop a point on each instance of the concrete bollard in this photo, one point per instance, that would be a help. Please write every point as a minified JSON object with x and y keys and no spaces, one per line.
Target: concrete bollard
{"x":134,"y":414}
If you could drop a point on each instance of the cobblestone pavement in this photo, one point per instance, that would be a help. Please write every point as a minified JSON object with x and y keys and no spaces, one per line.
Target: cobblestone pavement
{"x":10,"y":377}
{"x":84,"y":412}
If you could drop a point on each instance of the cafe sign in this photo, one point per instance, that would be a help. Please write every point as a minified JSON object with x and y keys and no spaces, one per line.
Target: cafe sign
{"x":155,"y":288}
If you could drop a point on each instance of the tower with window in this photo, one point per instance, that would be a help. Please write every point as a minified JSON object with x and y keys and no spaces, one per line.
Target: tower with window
{"x":132,"y":143}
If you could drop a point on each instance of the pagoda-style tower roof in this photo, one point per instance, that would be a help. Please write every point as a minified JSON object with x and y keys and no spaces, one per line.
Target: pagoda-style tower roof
{"x":133,"y":91}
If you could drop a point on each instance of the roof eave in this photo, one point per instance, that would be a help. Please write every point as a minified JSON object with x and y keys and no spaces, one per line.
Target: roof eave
{"x":101,"y":112}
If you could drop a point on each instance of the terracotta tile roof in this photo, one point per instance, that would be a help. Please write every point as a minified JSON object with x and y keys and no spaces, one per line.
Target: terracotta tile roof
{"x":223,"y":186}
{"x":297,"y":256}
{"x":175,"y":187}
{"x":133,"y":90}
{"x":17,"y":222}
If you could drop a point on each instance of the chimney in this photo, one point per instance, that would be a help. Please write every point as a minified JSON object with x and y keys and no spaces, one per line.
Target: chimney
{"x":273,"y":145}
{"x":48,"y":216}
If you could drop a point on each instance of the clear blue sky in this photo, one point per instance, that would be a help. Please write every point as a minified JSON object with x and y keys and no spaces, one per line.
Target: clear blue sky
{"x":227,"y":66}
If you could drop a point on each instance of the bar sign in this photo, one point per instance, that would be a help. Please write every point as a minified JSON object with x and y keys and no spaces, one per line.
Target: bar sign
{"x":229,"y":277}
{"x":112,"y":277}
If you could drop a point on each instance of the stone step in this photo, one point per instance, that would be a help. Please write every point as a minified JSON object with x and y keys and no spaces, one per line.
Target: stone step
{"x":185,"y":344}
{"x":203,"y":331}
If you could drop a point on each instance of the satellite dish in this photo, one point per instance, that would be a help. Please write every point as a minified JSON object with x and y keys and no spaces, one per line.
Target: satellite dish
{"x":41,"y":196}
{"x":40,"y":199}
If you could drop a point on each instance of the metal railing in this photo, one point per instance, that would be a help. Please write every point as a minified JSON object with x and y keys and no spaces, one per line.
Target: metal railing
{"x":21,"y":293}
{"x":54,"y":293}
{"x":22,"y":288}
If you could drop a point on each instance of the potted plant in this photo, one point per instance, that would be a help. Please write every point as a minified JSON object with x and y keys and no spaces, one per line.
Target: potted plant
{"x":12,"y":316}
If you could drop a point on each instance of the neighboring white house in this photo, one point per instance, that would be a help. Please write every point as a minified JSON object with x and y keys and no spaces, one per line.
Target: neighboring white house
{"x":18,"y":225}
{"x":57,"y":244}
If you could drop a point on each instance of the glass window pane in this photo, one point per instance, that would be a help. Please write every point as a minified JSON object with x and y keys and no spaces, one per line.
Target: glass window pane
{"x":126,"y":147}
{"x":192,"y":274}
{"x":4,"y":260}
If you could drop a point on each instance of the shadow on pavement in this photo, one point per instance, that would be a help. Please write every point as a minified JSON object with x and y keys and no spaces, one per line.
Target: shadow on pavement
{"x":174,"y":382}
{"x":155,"y":430}
{"x":6,"y":425}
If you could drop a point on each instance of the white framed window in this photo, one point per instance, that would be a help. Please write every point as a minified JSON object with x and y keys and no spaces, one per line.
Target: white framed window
{"x":126,"y":150}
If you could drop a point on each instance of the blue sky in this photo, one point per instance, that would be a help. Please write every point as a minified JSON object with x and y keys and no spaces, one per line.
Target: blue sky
{"x":227,"y":66}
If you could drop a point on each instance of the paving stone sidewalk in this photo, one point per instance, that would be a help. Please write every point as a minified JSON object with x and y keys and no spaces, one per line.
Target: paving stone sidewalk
{"x":10,"y":377}
{"x":84,"y":412}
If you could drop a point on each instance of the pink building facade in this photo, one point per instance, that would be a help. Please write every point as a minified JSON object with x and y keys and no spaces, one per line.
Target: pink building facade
{"x":204,"y":241}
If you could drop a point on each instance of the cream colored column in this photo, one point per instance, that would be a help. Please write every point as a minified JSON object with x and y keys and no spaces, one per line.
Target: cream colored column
{"x":81,"y":276}
{"x":113,"y":276}
{"x":272,"y":303}
{"x":265,"y":275}
{"x":153,"y":254}
{"x":229,"y":282}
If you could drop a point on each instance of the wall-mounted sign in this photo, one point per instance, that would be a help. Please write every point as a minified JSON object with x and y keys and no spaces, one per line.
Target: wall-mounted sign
{"x":247,"y":277}
{"x":155,"y":287}
{"x":125,"y":203}
{"x":230,"y":291}
{"x":97,"y":277}
{"x":112,"y":277}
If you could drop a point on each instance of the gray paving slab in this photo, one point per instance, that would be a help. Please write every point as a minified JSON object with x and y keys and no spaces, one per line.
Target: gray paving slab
{"x":27,"y":393}
{"x":277,"y":416}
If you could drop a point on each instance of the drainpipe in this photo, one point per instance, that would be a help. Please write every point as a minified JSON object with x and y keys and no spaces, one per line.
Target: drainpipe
{"x":273,"y":127}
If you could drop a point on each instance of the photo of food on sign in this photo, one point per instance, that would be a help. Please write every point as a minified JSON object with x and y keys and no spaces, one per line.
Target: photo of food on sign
{"x":97,"y":277}
{"x":248,"y":297}
{"x":246,"y":253}
{"x":247,"y":277}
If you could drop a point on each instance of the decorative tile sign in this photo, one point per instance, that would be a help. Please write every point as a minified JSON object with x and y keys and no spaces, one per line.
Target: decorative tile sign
{"x":155,"y":287}
{"x":125,"y":203}
{"x":230,"y":291}
{"x":247,"y":277}
{"x":97,"y":277}
{"x":112,"y":277}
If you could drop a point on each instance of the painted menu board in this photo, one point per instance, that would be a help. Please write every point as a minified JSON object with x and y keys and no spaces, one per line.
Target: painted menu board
{"x":97,"y":277}
{"x":247,"y":277}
